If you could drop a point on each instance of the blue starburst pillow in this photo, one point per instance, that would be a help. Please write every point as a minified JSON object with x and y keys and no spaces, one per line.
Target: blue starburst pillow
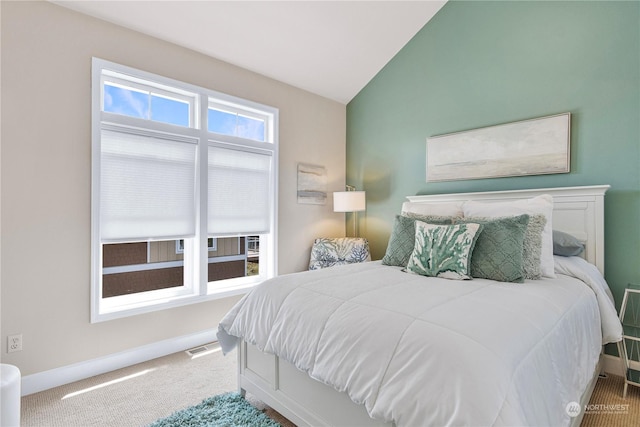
{"x":327,"y":252}
{"x":443,"y":250}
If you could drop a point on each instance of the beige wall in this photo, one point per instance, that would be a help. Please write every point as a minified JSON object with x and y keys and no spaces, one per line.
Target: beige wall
{"x":46,"y":175}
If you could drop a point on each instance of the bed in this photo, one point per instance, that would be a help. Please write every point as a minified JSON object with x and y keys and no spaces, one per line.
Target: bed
{"x":372,"y":344}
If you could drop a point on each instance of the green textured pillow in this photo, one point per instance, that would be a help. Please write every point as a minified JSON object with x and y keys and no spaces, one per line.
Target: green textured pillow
{"x":443,"y":250}
{"x":498,"y":254}
{"x":432,"y":219}
{"x":403,"y":236}
{"x":533,"y":247}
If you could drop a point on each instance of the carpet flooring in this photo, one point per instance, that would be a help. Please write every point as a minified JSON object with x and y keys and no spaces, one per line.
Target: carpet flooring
{"x":133,"y":396}
{"x":141,"y":394}
{"x":608,"y":408}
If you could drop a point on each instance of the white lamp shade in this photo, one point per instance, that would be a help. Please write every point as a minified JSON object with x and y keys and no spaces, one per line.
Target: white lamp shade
{"x":349,"y":201}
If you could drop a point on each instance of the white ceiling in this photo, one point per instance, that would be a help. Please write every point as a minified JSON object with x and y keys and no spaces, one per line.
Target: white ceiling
{"x":330,"y":48}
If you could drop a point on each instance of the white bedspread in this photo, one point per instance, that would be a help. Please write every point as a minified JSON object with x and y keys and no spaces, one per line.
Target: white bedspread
{"x":427,"y":351}
{"x":588,"y":273}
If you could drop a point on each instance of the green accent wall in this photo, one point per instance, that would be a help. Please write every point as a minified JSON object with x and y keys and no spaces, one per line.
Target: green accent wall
{"x":483,"y":63}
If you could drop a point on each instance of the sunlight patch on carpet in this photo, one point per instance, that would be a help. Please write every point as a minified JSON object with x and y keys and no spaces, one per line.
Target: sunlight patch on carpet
{"x":107,"y":383}
{"x":225,"y":410}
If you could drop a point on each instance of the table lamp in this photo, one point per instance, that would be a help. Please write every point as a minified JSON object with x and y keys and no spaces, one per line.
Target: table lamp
{"x":349,"y":201}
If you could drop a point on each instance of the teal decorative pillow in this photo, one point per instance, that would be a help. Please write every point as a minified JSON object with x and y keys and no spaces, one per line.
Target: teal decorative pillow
{"x":403,"y":236}
{"x":498,"y":254}
{"x":443,"y":250}
{"x":327,"y":252}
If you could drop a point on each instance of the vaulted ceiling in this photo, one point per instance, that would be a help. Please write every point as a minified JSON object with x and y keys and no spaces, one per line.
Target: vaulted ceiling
{"x":330,"y":48}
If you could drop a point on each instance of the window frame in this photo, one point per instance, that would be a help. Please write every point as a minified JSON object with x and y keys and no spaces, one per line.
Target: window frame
{"x":196,"y":287}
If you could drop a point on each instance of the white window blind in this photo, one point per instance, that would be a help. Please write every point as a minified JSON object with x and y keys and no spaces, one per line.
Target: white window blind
{"x":147,"y":186}
{"x":239,"y":191}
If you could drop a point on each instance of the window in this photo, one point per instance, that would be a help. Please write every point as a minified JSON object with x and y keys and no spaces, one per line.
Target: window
{"x":226,"y":120}
{"x":129,"y":96}
{"x":183,"y":192}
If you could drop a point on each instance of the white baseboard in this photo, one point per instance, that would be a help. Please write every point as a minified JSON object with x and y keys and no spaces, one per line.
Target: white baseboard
{"x":79,"y":371}
{"x":89,"y":368}
{"x":613,"y":365}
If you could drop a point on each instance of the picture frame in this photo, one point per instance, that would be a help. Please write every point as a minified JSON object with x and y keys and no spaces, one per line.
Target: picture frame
{"x":312,"y":184}
{"x":529,"y":147}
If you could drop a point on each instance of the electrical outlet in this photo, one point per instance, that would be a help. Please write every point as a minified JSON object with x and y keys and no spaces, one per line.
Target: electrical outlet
{"x":14,"y":343}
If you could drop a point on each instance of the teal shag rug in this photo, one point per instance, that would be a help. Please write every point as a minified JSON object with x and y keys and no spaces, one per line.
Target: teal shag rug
{"x":224,"y":410}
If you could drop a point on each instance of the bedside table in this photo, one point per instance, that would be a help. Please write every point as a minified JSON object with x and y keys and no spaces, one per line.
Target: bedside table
{"x":629,"y":347}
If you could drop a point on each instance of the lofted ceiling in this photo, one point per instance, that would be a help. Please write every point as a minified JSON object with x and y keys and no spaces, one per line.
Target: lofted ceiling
{"x":330,"y":48}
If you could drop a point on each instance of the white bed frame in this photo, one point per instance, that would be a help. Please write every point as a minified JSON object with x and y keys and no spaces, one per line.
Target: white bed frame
{"x":306,"y":402}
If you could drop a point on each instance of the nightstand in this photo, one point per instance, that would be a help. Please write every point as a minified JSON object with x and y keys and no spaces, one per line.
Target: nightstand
{"x":629,"y":347}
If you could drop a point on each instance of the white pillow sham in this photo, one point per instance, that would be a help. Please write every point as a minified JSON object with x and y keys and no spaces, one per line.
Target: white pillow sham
{"x":438,"y":209}
{"x":537,"y":205}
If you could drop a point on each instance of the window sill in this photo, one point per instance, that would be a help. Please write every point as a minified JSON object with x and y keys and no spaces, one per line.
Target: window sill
{"x":172,"y":302}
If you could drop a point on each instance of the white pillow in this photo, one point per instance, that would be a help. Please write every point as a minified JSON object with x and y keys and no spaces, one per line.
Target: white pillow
{"x":437,"y":209}
{"x":537,"y":205}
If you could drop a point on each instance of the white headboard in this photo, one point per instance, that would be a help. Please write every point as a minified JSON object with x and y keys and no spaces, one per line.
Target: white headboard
{"x":578,"y":211}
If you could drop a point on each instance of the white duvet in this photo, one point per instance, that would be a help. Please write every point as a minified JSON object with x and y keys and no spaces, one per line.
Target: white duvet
{"x":421,"y":351}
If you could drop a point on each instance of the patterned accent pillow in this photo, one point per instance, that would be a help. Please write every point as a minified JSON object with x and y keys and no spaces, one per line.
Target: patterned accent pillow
{"x":327,"y":252}
{"x":498,"y":254}
{"x":403,"y":236}
{"x":443,"y":250}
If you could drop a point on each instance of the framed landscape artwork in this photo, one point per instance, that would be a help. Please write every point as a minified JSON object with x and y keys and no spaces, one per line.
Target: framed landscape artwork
{"x":312,"y":184}
{"x":529,"y":147}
